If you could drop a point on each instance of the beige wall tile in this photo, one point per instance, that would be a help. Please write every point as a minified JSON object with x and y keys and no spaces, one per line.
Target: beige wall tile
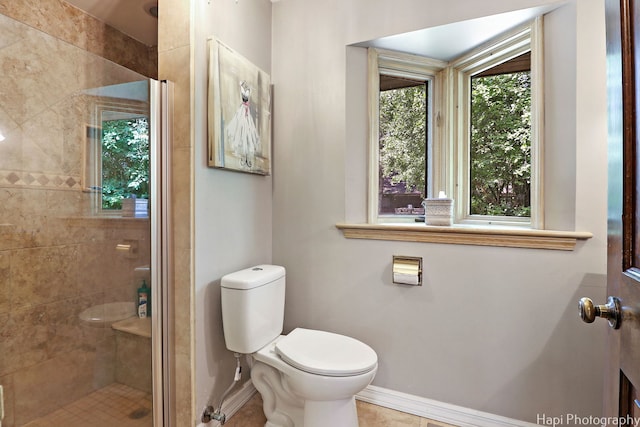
{"x":105,"y":366}
{"x":5,"y":282}
{"x":181,"y":197}
{"x":52,"y":384}
{"x":133,"y":361}
{"x":24,"y":336}
{"x":183,"y":338}
{"x":66,"y":331}
{"x":11,"y":147}
{"x":41,"y":275}
{"x":184,"y":403}
{"x":59,"y":19}
{"x":9,"y":399}
{"x":174,"y":24}
{"x":175,"y":66}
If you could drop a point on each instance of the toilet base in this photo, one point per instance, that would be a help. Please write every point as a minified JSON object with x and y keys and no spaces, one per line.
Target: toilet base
{"x":281,"y":407}
{"x":338,"y":413}
{"x":284,"y":409}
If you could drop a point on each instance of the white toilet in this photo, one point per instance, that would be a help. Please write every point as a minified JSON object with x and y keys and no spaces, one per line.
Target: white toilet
{"x":307,"y":378}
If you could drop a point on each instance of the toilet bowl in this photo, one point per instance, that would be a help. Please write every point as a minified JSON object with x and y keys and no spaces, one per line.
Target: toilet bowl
{"x":307,"y":378}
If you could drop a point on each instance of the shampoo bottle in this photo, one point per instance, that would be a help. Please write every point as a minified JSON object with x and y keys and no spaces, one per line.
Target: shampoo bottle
{"x":143,"y":300}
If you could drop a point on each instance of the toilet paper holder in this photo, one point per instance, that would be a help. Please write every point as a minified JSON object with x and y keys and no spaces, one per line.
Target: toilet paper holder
{"x":407,"y":270}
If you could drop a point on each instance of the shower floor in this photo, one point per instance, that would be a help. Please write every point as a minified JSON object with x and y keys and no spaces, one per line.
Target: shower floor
{"x":114,"y":405}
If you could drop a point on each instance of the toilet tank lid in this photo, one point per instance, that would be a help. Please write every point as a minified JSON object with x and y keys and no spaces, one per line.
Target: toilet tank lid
{"x":252,"y":277}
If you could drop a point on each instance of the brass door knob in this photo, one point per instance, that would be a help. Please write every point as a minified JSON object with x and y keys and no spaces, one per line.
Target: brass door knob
{"x":610,"y":311}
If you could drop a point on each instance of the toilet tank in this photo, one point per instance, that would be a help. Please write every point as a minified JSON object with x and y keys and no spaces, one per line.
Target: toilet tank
{"x":252,"y":307}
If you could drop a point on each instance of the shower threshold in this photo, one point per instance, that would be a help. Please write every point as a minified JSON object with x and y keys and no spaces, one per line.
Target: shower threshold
{"x":114,"y":405}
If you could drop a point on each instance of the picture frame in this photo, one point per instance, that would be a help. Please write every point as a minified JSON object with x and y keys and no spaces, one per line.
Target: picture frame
{"x":239,"y":112}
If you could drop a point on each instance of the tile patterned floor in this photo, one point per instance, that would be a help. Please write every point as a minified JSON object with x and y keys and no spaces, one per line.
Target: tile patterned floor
{"x":120,"y":406}
{"x":115,"y":405}
{"x":251,"y":415}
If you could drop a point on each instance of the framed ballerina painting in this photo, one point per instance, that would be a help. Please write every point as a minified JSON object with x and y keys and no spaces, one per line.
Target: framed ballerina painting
{"x":239,"y":114}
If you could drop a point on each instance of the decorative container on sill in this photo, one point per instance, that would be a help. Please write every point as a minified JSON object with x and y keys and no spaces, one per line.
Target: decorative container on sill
{"x":438,"y":211}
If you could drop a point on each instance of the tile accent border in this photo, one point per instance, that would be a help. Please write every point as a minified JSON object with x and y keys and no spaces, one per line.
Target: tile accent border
{"x":434,"y":410}
{"x":39,"y":180}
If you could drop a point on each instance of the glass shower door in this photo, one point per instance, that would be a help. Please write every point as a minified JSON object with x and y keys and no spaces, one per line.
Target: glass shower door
{"x":76,"y":217}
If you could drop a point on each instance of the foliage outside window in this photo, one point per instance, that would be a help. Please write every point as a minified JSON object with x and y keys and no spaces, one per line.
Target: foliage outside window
{"x":403,"y":143}
{"x":401,"y":125}
{"x":500,"y":146}
{"x":117,"y":157}
{"x":125,"y":160}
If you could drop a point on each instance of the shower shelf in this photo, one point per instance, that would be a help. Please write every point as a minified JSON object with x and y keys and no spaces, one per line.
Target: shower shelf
{"x":134,"y":325}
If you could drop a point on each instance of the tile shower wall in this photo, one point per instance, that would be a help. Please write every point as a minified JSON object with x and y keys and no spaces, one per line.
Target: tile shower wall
{"x":55,"y":259}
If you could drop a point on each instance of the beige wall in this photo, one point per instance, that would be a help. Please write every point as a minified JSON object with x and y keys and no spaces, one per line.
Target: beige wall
{"x":492,"y":329}
{"x":54,"y":260}
{"x":233,"y":210}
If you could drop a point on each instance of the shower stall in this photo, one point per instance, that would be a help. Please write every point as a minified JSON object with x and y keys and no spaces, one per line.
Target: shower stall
{"x":82,"y":234}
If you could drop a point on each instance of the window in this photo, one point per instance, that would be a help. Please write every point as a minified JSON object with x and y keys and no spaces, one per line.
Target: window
{"x":117,"y":158}
{"x":125,"y":159}
{"x":403,"y":140}
{"x":402,"y":122}
{"x":480,"y":125}
{"x":500,"y":140}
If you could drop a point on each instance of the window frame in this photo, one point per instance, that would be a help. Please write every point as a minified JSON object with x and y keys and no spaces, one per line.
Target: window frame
{"x":449,"y":126}
{"x":415,"y":67}
{"x":488,"y":55}
{"x":92,"y":151}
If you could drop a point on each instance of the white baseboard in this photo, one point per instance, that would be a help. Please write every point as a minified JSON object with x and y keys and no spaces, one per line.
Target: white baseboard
{"x":238,"y":399}
{"x":403,"y":402}
{"x":234,"y":402}
{"x":434,"y":410}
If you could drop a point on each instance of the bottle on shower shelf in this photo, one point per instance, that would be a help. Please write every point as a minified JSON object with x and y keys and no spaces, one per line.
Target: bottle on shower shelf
{"x":144,"y":300}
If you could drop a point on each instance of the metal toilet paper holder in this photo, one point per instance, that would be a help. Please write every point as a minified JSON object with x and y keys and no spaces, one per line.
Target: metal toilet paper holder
{"x":407,"y":270}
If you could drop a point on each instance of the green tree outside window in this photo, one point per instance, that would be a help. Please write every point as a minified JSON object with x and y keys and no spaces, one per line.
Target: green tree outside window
{"x":125,"y":160}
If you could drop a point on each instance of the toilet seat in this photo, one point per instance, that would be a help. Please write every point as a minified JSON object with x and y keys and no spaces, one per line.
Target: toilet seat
{"x":326,"y":353}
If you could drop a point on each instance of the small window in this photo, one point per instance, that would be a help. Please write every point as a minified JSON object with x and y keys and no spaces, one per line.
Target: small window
{"x":402,"y":90}
{"x":116,"y":159}
{"x":500,"y":140}
{"x":498,"y":131}
{"x":403,"y":146}
{"x":125,"y":159}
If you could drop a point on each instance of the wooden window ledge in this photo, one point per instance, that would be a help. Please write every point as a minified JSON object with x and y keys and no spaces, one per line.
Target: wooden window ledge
{"x":467,"y":235}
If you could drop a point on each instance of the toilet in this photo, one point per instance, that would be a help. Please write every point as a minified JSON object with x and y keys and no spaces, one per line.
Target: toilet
{"x":307,"y":378}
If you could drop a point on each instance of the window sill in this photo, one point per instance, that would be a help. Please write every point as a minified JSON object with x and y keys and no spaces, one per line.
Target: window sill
{"x":467,"y":235}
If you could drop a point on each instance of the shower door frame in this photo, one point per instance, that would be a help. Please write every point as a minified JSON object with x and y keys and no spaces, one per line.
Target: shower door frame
{"x":161,"y":113}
